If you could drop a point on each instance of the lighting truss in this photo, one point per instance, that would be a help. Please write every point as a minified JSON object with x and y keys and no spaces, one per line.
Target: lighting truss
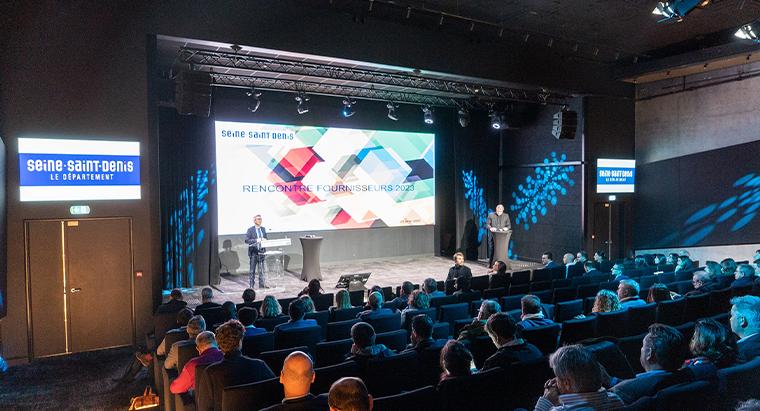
{"x":230,"y":69}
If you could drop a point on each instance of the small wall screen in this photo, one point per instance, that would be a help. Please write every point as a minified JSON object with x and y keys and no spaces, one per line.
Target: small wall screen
{"x":615,"y":176}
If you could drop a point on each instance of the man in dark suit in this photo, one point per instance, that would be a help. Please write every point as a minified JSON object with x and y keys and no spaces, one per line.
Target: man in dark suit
{"x":234,"y":369}
{"x":296,"y":378}
{"x":296,"y":310}
{"x":253,"y":237}
{"x":349,"y":394}
{"x":175,"y":303}
{"x":663,"y":353}
{"x":207,"y":296}
{"x":422,"y":335}
{"x":502,"y":329}
{"x":588,"y":266}
{"x":745,"y":322}
{"x":496,"y":221}
{"x":376,"y":309}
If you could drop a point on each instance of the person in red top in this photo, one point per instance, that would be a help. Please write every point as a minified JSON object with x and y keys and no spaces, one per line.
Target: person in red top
{"x":205,"y":343}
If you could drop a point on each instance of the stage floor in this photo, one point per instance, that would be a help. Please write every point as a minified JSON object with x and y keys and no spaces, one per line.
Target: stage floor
{"x":384,"y":273}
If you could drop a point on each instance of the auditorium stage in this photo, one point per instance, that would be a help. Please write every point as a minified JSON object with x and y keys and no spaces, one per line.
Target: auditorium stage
{"x":384,"y":273}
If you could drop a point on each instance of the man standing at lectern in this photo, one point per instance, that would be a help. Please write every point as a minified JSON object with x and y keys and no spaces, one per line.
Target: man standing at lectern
{"x":253,"y":237}
{"x":496,"y":221}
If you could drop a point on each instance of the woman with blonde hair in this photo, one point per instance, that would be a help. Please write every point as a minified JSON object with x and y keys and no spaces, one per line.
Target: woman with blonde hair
{"x":270,"y":308}
{"x":606,"y":302}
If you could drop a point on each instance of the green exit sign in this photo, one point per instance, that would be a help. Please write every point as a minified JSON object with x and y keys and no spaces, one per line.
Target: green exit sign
{"x":80,"y":209}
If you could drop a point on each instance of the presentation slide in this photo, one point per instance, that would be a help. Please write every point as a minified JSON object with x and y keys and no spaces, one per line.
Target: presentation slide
{"x":67,"y":170}
{"x":303,"y":178}
{"x":615,"y":176}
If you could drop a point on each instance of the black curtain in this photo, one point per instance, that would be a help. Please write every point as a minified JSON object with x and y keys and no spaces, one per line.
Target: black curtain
{"x":188,"y":200}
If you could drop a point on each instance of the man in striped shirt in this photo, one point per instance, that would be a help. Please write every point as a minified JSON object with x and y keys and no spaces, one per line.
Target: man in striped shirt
{"x":578,"y":384}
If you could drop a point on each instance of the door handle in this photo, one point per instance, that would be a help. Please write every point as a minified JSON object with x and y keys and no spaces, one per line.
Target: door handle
{"x":76,"y":290}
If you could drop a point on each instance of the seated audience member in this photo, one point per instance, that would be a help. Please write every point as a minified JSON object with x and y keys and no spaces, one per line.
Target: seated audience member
{"x":756,"y":260}
{"x":502,"y":329}
{"x":270,"y":307}
{"x":628,"y":294}
{"x":713,"y":269}
{"x":728,"y":266}
{"x":578,"y":383}
{"x":417,"y":301}
{"x":143,"y":360}
{"x":375,"y":303}
{"x":629,"y":262}
{"x":600,"y":256}
{"x":349,"y":394}
{"x":618,"y":271}
{"x":478,"y":326}
{"x":568,"y":259}
{"x":660,"y":259}
{"x":422,"y":335}
{"x":308,"y":304}
{"x":658,"y":292}
{"x":247,"y":316}
{"x":296,"y":311}
{"x":314,"y":288}
{"x":745,"y":275}
{"x":183,"y":317}
{"x":589,"y":268}
{"x":405,"y":291}
{"x":249,"y":296}
{"x":641,"y":262}
{"x":229,"y":312}
{"x":207,"y":294}
{"x":462,"y":286}
{"x":456,"y":360}
{"x":342,"y":301}
{"x":234,"y":369}
{"x":195,"y":326}
{"x":499,"y":267}
{"x":459,"y":269}
{"x":745,"y":323}
{"x":430,"y":286}
{"x":547,"y":260}
{"x":205,"y":343}
{"x":672,"y":259}
{"x":175,"y":303}
{"x":531,"y":313}
{"x":703,"y":284}
{"x":582,"y":257}
{"x":296,"y":377}
{"x":684,"y":263}
{"x":606,"y":302}
{"x":663,"y":353}
{"x":713,"y":346}
{"x":364,"y":346}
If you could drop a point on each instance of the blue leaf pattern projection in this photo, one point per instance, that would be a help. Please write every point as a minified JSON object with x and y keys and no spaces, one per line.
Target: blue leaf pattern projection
{"x":477,"y":203}
{"x":548,"y":182}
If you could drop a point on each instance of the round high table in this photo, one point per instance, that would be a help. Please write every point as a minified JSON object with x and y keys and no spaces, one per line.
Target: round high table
{"x":311,"y":246}
{"x":501,"y":246}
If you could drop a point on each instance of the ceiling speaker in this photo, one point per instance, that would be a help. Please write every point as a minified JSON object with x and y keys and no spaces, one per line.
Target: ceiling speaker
{"x":565,"y":124}
{"x":192,"y":94}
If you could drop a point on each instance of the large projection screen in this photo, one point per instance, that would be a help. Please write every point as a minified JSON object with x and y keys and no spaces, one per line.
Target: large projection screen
{"x":303,"y":178}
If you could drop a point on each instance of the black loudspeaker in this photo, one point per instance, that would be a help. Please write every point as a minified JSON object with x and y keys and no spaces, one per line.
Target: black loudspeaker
{"x":192,"y":94}
{"x":565,"y":124}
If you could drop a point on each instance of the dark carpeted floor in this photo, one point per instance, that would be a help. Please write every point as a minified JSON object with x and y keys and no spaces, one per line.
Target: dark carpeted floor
{"x":81,"y":381}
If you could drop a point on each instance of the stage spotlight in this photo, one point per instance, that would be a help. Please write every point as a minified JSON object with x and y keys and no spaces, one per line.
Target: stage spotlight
{"x":253,"y":100}
{"x":392,"y":111}
{"x":676,"y":8}
{"x":750,"y":31}
{"x":495,"y":120}
{"x":348,"y":107}
{"x":427,"y":114}
{"x":301,"y":98}
{"x":464,"y":117}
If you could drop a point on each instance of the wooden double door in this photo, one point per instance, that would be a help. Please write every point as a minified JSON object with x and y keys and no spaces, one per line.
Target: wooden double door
{"x":80,"y":287}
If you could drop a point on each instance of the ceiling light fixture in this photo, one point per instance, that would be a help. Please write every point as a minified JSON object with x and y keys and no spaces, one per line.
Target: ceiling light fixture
{"x":301,"y":98}
{"x":427,"y":114}
{"x":392,"y":111}
{"x":675,"y":9}
{"x":348,"y":107}
{"x":495,"y":120}
{"x":750,"y":31}
{"x":464,"y":116}
{"x":253,"y":100}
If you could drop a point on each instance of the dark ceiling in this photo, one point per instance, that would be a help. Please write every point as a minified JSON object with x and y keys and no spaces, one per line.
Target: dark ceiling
{"x":603,"y":30}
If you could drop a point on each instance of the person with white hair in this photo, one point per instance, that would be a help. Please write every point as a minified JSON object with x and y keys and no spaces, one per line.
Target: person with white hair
{"x":745,"y":276}
{"x":577,"y":384}
{"x":702,"y":282}
{"x":496,"y":221}
{"x":745,"y":322}
{"x":205,"y":343}
{"x":628,"y":293}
